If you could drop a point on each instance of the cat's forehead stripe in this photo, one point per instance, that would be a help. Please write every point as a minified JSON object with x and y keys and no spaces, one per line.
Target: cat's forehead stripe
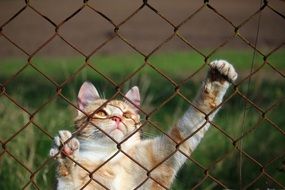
{"x":117,"y":103}
{"x":115,"y":109}
{"x":110,"y":106}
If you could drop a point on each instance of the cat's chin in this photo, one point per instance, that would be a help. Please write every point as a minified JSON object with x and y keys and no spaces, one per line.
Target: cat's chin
{"x":117,"y":134}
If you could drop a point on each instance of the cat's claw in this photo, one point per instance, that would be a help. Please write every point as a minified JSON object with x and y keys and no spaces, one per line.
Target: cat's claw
{"x":225,"y":69}
{"x":67,"y":148}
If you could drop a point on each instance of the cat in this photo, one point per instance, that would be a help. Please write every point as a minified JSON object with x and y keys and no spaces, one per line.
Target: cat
{"x":107,"y":151}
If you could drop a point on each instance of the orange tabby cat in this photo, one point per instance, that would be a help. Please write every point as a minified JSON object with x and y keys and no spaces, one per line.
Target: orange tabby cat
{"x":102,"y":125}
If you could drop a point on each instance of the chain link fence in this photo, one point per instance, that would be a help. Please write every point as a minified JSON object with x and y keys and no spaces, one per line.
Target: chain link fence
{"x":36,"y":173}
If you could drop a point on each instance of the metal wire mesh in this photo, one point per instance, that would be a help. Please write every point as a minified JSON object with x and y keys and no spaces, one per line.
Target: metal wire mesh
{"x":116,"y":26}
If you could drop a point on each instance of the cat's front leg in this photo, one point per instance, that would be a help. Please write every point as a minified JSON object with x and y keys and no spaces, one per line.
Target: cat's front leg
{"x":65,"y":150}
{"x":191,"y":127}
{"x":196,"y":120}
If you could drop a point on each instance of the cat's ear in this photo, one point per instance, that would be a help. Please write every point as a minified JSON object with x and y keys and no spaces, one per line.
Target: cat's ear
{"x":87,"y":94}
{"x":133,"y":95}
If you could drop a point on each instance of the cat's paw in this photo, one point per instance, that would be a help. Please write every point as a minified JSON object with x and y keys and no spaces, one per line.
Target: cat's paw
{"x":67,"y":148}
{"x":222,"y":70}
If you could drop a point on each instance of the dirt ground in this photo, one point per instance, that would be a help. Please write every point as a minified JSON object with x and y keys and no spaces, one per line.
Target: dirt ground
{"x":87,"y":30}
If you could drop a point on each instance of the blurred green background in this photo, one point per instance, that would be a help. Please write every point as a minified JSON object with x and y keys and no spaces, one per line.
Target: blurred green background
{"x":32,"y":91}
{"x":43,"y":51}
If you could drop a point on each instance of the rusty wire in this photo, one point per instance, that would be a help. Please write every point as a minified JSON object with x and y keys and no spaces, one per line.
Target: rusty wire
{"x":147,"y":63}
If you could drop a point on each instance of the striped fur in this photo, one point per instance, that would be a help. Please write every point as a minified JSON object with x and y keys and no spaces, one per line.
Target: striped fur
{"x":150,"y":163}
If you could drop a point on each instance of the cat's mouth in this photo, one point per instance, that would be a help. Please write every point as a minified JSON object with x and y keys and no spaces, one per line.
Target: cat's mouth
{"x":117,"y":129}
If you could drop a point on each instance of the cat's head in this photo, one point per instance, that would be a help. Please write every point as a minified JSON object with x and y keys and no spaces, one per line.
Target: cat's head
{"x":117,"y":118}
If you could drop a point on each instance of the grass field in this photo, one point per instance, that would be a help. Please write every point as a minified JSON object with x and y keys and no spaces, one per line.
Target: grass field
{"x":31,"y":90}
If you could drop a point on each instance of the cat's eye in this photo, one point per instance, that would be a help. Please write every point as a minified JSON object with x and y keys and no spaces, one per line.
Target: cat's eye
{"x":127,"y":115}
{"x":101,"y":113}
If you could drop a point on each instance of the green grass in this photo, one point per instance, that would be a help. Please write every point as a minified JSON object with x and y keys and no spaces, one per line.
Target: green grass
{"x":32,"y":91}
{"x":181,"y":63}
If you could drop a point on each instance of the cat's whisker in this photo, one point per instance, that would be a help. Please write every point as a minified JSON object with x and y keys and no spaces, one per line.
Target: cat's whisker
{"x":148,"y":135}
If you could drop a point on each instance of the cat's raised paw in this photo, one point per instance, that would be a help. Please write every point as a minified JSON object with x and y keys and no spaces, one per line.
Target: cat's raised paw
{"x":222,"y":70}
{"x":62,"y":142}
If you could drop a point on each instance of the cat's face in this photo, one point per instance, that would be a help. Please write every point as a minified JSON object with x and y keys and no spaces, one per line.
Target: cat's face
{"x":117,"y":118}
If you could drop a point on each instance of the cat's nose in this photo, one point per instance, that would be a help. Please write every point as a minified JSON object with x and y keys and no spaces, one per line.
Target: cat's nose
{"x":116,"y":119}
